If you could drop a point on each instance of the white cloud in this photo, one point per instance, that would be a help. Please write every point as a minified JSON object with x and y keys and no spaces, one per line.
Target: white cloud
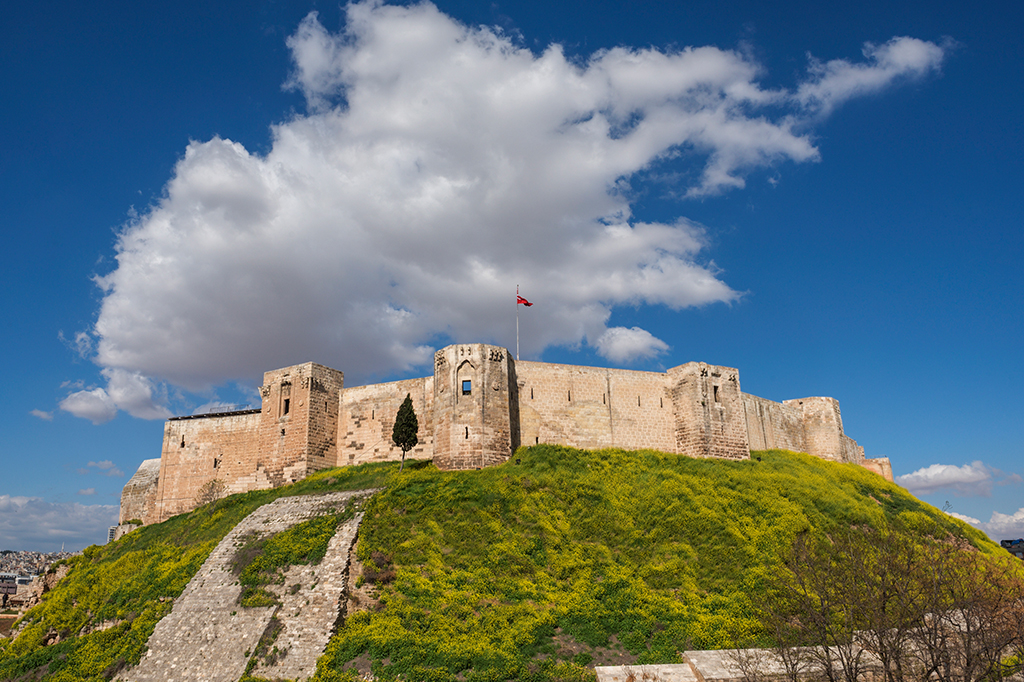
{"x":963,"y":517}
{"x":439,"y":166}
{"x":106,"y":466}
{"x":87,"y":491}
{"x":45,"y":416}
{"x":974,"y":479}
{"x":1005,"y":526}
{"x":29,"y":523}
{"x":126,"y":390}
{"x":94,"y":405}
{"x":834,"y":82}
{"x":82,"y":344}
{"x":620,"y":344}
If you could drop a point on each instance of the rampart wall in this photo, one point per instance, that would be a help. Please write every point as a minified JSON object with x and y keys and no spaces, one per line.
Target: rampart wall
{"x":812,"y":425}
{"x":299,"y":421}
{"x":367,"y":418}
{"x":139,"y":496}
{"x":591,"y":407}
{"x":476,"y":409}
{"x":202,"y":448}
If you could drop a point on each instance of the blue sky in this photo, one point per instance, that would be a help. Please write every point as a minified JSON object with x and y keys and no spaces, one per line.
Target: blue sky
{"x":825,"y":197}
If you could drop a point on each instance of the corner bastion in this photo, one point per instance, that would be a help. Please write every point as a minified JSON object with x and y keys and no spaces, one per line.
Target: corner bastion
{"x":477,"y":408}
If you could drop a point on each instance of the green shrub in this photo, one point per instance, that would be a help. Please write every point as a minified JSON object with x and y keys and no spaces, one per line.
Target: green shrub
{"x":659,"y":551}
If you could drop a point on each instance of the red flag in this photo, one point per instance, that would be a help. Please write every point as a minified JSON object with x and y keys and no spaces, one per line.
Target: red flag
{"x":523,"y":301}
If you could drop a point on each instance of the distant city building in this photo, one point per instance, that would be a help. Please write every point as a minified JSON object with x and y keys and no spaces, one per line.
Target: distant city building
{"x":1014,"y":547}
{"x":8,"y":583}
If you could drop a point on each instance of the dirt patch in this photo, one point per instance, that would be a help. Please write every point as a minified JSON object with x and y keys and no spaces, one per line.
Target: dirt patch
{"x":364,"y":597}
{"x":6,"y":623}
{"x":361,"y":664}
{"x":613,"y":654}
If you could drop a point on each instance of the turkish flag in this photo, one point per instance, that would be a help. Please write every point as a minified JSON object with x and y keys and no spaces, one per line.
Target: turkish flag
{"x":520,"y":299}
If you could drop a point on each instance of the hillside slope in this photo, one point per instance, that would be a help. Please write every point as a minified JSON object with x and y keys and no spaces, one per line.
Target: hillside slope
{"x":508,"y":572}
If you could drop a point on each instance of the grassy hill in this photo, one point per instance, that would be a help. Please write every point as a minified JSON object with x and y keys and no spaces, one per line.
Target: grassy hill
{"x":530,"y":570}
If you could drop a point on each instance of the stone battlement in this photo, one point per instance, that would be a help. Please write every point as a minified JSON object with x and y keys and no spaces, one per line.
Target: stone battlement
{"x":476,"y":409}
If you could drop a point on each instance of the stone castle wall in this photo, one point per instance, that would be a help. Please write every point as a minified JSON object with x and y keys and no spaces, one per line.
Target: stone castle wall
{"x":367,"y":418}
{"x":299,"y":421}
{"x":591,"y":407}
{"x":811,"y":425}
{"x":204,"y":448}
{"x":138,"y":498}
{"x":474,"y":400}
{"x":477,"y":408}
{"x":709,"y":411}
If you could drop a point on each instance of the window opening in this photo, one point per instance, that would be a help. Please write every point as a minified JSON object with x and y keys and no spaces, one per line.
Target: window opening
{"x":536,"y":440}
{"x":569,"y":393}
{"x":716,"y":394}
{"x":531,"y":392}
{"x":604,"y":398}
{"x":216,"y":462}
{"x":638,"y":401}
{"x":183,"y":440}
{"x":373,"y":414}
{"x":661,"y":402}
{"x":467,"y":387}
{"x":282,"y":432}
{"x":467,"y":433}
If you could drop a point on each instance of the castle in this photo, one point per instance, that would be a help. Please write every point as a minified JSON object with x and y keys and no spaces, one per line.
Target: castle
{"x":476,"y":409}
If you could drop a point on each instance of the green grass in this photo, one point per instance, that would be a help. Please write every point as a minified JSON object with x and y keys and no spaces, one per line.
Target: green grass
{"x":496,"y":569}
{"x":659,"y":551}
{"x":134,"y":580}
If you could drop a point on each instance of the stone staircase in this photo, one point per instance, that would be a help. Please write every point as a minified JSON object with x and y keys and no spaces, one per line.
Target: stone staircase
{"x":208,"y":637}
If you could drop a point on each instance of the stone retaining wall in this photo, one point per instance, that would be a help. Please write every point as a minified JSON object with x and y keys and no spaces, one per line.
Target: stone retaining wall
{"x":208,"y":637}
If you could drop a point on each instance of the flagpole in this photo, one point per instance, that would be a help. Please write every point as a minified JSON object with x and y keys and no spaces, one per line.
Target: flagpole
{"x":517,"y":323}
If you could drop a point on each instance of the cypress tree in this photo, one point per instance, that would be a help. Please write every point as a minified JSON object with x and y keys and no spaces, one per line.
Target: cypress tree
{"x":406,"y":427}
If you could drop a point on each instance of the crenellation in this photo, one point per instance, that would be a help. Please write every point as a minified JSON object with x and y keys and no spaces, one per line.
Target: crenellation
{"x":476,"y":409}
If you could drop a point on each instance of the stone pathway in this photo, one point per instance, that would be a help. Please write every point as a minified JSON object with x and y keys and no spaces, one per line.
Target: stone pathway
{"x":208,"y":637}
{"x":662,"y":672}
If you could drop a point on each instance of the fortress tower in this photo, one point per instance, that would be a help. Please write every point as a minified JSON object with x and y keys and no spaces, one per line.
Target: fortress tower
{"x":474,"y":411}
{"x":709,"y":415}
{"x":299,"y":421}
{"x":475,"y":406}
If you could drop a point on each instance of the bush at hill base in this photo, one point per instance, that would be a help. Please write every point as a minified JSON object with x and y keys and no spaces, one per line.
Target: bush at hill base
{"x":558,"y":559}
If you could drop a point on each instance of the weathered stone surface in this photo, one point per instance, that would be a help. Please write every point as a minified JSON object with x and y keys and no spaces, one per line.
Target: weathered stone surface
{"x":139,"y":496}
{"x":208,"y":637}
{"x":664,"y":672}
{"x":476,"y":409}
